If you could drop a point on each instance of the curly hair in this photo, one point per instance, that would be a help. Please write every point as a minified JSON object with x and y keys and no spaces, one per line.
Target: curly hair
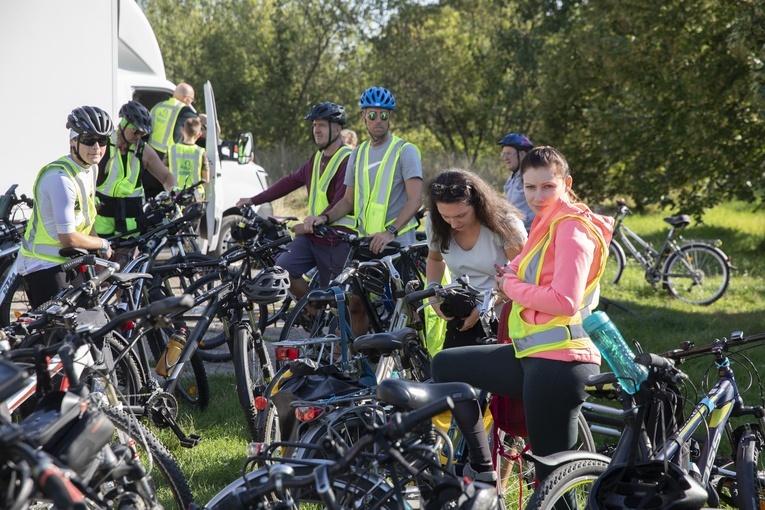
{"x":491,"y":208}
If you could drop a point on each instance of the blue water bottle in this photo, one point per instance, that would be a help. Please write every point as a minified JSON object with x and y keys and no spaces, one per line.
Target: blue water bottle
{"x":609,"y":341}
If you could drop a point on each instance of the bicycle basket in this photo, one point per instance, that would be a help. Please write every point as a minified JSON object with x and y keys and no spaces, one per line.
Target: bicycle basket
{"x":375,"y":279}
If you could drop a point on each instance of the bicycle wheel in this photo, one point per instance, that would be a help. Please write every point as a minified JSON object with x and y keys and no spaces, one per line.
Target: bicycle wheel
{"x":750,"y":471}
{"x":252,"y":371}
{"x":16,"y":300}
{"x":698,"y":274}
{"x":568,"y":486}
{"x":171,"y":485}
{"x":305,"y":322}
{"x":192,"y":386}
{"x":614,"y":264}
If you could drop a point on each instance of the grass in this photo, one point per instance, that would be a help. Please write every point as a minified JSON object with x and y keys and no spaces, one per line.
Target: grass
{"x":661,"y":323}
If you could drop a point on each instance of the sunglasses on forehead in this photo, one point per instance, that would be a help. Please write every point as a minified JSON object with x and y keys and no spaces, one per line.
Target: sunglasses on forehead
{"x":90,"y":141}
{"x":373,"y":115}
{"x":459,"y":190}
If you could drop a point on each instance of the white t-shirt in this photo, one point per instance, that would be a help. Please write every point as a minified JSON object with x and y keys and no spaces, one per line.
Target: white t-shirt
{"x":409,"y":166}
{"x":477,"y":262}
{"x":55,"y":198}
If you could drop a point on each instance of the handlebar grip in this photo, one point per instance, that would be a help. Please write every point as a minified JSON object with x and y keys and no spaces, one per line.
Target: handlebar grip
{"x":84,"y":260}
{"x":170,"y":305}
{"x":55,"y":485}
{"x":653,"y":360}
{"x":401,"y":424}
{"x":421,"y":294}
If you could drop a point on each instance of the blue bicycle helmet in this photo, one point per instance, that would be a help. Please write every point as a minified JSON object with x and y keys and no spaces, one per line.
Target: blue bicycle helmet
{"x":516,"y":141}
{"x":377,"y":97}
{"x":327,"y":111}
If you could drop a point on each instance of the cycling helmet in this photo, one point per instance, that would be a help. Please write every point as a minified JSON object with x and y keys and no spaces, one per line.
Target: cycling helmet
{"x":377,"y":97}
{"x":268,"y":286}
{"x":137,"y":114}
{"x":646,"y":485}
{"x":327,"y":111}
{"x":90,"y":120}
{"x":517,"y":141}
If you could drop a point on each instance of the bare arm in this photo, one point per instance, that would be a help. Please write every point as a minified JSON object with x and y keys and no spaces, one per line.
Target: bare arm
{"x":84,"y":241}
{"x":156,"y":168}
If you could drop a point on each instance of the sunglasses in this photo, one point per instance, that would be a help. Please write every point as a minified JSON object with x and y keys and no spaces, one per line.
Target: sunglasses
{"x":383,"y":115}
{"x":90,"y":141}
{"x":138,"y":132}
{"x":459,"y":190}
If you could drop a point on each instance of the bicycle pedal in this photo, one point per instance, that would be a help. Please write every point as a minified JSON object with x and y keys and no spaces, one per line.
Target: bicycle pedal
{"x":191,"y":440}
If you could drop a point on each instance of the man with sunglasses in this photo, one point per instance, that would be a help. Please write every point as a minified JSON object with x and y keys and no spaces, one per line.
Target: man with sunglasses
{"x":384,"y":184}
{"x":167,"y":119}
{"x":64,"y":211}
{"x":514,"y":148}
{"x":120,"y":189}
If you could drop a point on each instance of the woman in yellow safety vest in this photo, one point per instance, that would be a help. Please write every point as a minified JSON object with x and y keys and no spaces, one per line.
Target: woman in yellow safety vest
{"x":553,"y":283}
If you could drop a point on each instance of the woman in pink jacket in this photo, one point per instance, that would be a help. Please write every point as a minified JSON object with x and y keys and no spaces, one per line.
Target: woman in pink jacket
{"x":553,"y":283}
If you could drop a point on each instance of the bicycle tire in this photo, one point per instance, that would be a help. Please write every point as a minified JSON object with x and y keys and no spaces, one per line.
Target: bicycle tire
{"x":698,"y":274}
{"x":193,"y":387}
{"x":128,"y":372}
{"x":268,"y":428}
{"x":615,"y":264}
{"x":256,"y":490}
{"x":317,"y":325}
{"x":750,"y":471}
{"x":575,"y":476}
{"x":168,"y":478}
{"x":15,"y":300}
{"x":251,"y":372}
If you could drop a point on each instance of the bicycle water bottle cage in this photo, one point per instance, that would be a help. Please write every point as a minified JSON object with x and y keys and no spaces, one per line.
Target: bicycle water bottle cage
{"x":680,"y":221}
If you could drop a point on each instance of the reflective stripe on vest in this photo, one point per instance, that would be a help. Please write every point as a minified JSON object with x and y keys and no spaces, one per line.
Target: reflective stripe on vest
{"x":39,"y":243}
{"x":185,"y":162}
{"x":371,"y":202}
{"x":560,"y":332}
{"x":122,"y":182}
{"x":164,"y":115}
{"x":317,"y":200}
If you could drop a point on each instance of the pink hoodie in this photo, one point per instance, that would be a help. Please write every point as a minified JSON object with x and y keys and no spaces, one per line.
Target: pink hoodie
{"x":567,"y":267}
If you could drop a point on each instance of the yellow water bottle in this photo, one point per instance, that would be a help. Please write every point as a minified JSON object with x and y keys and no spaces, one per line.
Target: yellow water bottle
{"x":172,"y":353}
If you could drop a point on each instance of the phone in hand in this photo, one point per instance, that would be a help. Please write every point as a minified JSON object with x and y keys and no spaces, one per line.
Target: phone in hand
{"x":500,"y":270}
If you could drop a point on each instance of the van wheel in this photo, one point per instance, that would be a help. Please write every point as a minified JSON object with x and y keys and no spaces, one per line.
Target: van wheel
{"x":224,"y":239}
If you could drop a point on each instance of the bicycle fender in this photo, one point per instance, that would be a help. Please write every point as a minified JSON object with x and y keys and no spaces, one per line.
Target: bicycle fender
{"x":557,"y":459}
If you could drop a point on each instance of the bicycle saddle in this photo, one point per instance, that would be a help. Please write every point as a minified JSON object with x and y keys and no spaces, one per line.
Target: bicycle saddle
{"x":411,"y":395}
{"x":383,"y":343}
{"x":679,"y":221}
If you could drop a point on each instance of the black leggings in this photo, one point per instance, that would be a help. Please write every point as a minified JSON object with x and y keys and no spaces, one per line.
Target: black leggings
{"x":552,"y":394}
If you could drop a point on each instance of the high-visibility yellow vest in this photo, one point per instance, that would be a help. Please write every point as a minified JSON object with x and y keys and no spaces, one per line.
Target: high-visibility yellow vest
{"x":41,"y":244}
{"x":317,"y":200}
{"x":371,"y":200}
{"x":164,"y":115}
{"x":121,"y":181}
{"x":185,"y":162}
{"x":561,"y":332}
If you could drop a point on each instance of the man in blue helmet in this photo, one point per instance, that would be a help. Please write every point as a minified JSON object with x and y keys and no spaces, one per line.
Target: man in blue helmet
{"x":514,"y":148}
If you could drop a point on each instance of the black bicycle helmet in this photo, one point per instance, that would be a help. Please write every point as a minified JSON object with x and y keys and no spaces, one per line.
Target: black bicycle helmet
{"x":137,"y":114}
{"x":516,"y":141}
{"x":90,"y":120}
{"x":377,"y":97}
{"x":646,"y":485}
{"x":268,"y":286}
{"x":327,"y":111}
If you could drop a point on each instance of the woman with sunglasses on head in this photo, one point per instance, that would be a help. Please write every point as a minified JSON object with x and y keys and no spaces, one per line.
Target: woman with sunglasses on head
{"x":120,"y":188}
{"x":553,"y":284}
{"x":65,"y":210}
{"x":470,"y":229}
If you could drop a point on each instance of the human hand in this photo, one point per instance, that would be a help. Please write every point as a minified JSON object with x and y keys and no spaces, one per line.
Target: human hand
{"x":298,"y":229}
{"x":312,"y":221}
{"x":243,"y":201}
{"x":437,"y":309}
{"x":471,"y":320}
{"x":380,"y":240}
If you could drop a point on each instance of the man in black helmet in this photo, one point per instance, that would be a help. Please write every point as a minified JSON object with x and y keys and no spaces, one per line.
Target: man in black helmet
{"x":323,"y":176}
{"x":64,"y":212}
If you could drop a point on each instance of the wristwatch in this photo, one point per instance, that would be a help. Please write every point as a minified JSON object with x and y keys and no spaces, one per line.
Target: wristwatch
{"x":392,"y":229}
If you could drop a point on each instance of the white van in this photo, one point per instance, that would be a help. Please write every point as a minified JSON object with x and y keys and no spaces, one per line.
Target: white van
{"x":55,"y":56}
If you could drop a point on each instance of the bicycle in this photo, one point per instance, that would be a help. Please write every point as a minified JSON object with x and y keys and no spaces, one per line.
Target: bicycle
{"x":403,"y":447}
{"x":684,"y":451}
{"x":11,"y":233}
{"x":695,"y":271}
{"x":91,"y":381}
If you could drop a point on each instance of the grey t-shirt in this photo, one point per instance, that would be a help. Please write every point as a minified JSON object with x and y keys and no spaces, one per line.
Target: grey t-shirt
{"x":514,"y":193}
{"x":409,"y":166}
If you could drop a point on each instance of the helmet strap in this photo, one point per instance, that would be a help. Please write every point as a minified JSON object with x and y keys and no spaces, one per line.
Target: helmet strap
{"x":77,"y":152}
{"x":329,"y":123}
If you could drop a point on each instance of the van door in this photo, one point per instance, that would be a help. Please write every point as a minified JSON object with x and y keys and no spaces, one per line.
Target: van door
{"x":213,"y":192}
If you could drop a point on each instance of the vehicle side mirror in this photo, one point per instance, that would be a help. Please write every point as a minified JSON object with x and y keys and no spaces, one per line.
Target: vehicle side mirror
{"x":245,"y":146}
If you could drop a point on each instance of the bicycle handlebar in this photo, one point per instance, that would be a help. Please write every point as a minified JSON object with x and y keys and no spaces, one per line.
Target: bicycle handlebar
{"x":723,"y":344}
